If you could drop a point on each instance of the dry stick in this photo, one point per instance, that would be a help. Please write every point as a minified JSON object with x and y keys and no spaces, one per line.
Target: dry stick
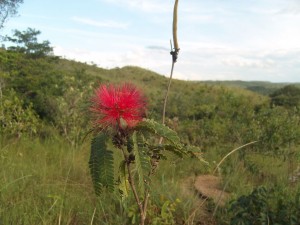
{"x":174,"y":54}
{"x":93,"y":216}
{"x":234,"y":150}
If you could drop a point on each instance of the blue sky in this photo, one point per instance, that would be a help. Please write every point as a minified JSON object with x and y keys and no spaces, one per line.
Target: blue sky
{"x":218,"y":39}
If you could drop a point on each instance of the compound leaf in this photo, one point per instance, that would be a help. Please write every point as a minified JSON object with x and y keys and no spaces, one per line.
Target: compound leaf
{"x":101,"y":164}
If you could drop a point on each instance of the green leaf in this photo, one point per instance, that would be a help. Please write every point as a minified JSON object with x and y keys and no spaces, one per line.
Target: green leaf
{"x":142,"y":162}
{"x":180,"y":152}
{"x":160,"y":130}
{"x":194,"y":151}
{"x":165,"y":210}
{"x":101,"y":164}
{"x":123,"y":181}
{"x":160,"y":148}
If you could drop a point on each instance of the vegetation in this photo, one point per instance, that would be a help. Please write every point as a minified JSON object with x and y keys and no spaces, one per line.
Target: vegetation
{"x":261,"y":87}
{"x":288,"y":96}
{"x":44,"y":150}
{"x":8,"y":8}
{"x":27,"y":42}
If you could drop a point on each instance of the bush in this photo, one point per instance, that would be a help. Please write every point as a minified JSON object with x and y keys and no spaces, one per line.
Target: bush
{"x":288,"y":96}
{"x":15,"y":119}
{"x":266,"y":206}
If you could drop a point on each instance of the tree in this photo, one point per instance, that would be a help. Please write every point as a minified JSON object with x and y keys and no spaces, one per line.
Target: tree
{"x":27,"y":42}
{"x":288,"y":96}
{"x":8,"y":8}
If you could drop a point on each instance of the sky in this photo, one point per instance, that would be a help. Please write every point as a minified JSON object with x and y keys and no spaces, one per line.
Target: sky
{"x":251,"y":40}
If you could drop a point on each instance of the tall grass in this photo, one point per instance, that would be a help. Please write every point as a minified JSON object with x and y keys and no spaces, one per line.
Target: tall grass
{"x":48,"y":182}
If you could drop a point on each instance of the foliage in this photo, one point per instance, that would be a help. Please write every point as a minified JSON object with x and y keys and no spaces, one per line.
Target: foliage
{"x":101,"y":164}
{"x":264,"y":206}
{"x":8,"y":8}
{"x":15,"y":118}
{"x":58,"y":96}
{"x":165,"y":214}
{"x":69,"y":118}
{"x":251,"y":209}
{"x":26,"y":42}
{"x":288,"y":96}
{"x":141,"y":161}
{"x":260,"y":87}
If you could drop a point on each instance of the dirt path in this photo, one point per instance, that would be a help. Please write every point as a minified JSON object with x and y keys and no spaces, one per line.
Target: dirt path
{"x":205,"y":187}
{"x":209,"y":186}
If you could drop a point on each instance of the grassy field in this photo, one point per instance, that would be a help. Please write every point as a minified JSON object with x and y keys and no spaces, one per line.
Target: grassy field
{"x":48,"y":182}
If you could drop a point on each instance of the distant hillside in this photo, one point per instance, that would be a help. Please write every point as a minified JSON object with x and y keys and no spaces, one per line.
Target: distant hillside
{"x":144,"y":76}
{"x":261,"y":87}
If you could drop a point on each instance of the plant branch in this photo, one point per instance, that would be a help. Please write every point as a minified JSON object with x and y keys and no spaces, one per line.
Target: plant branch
{"x":167,"y":94}
{"x":147,"y":195}
{"x":133,"y":188}
{"x":137,"y":199}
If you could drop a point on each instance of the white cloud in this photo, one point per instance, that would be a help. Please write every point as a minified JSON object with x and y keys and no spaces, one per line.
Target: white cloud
{"x":107,"y":23}
{"x":291,"y":7}
{"x":153,"y":6}
{"x":238,"y":61}
{"x":209,"y":64}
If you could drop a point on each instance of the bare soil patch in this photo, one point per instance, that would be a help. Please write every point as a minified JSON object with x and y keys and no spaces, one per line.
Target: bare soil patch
{"x":204,"y":187}
{"x":209,"y":186}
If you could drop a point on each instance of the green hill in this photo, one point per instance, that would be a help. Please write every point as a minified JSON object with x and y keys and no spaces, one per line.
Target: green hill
{"x":56,"y":92}
{"x":49,"y":85}
{"x":261,"y":87}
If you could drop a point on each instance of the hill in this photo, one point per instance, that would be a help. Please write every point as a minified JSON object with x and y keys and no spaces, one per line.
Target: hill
{"x":261,"y":87}
{"x":56,"y":92}
{"x":49,"y":85}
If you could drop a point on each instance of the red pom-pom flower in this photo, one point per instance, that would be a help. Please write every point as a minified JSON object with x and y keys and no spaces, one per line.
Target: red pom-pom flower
{"x":119,"y":107}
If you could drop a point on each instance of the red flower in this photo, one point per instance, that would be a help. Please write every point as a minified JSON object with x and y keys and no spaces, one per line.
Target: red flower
{"x":118,"y":106}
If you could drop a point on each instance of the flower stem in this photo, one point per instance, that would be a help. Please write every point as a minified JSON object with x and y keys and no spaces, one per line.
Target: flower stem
{"x":174,"y":53}
{"x":133,"y":188}
{"x":166,"y":98}
{"x":137,"y":199}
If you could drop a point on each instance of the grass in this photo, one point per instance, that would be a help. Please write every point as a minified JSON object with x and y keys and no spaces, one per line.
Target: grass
{"x":48,"y":182}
